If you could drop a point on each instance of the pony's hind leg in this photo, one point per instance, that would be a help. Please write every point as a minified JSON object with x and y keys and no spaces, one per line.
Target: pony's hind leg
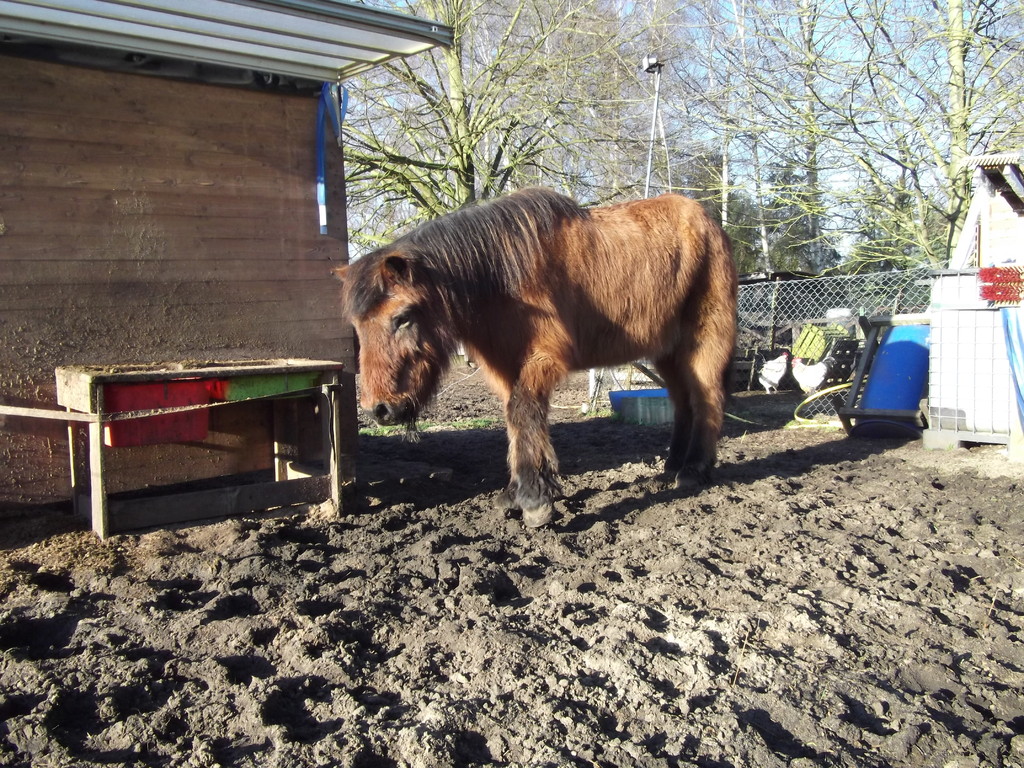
{"x":684,"y":447}
{"x":695,"y":380}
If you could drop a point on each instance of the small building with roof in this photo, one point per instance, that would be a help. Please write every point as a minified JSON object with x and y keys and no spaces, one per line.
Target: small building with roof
{"x":172,"y":193}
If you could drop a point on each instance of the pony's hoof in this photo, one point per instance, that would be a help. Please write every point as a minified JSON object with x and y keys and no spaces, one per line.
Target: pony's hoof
{"x":506,"y":501}
{"x":538,"y":517}
{"x":665,"y":480}
{"x":691,"y":481}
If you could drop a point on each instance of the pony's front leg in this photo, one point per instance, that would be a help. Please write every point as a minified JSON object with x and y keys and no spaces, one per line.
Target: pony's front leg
{"x":531,"y":457}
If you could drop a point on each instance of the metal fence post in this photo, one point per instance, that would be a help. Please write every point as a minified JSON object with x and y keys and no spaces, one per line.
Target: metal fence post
{"x":774,"y":313}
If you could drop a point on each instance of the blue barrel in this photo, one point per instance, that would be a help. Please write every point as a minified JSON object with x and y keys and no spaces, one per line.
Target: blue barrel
{"x":896,"y":382}
{"x":899,"y":372}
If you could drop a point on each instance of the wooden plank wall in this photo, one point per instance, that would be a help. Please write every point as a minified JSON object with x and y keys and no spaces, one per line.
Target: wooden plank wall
{"x":144,"y":220}
{"x":1002,"y":238}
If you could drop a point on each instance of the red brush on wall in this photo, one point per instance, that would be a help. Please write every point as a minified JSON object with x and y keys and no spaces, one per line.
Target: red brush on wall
{"x":1003,"y":286}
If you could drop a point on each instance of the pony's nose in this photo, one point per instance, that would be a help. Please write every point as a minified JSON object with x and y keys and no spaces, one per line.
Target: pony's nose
{"x":384,"y":414}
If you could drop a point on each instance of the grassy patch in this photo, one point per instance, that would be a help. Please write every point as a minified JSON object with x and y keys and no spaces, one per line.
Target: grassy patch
{"x":481,"y":423}
{"x":379,"y":431}
{"x":430,"y":426}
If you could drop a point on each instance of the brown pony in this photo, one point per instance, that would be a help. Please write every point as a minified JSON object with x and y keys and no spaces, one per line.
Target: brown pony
{"x":536,"y":286}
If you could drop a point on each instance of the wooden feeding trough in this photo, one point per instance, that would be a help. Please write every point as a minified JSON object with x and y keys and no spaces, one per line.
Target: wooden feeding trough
{"x":138,"y":405}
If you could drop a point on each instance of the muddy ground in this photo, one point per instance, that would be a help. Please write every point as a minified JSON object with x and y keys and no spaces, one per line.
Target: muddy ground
{"x":830,"y":602}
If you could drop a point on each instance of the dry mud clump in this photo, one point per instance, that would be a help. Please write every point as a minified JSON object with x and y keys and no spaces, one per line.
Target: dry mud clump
{"x":829,"y":602}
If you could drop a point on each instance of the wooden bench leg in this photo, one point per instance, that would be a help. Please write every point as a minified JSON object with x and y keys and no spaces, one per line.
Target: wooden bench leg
{"x":340,"y":424}
{"x":332,"y":442}
{"x":97,"y":489}
{"x":285,"y":438}
{"x":78,"y":458}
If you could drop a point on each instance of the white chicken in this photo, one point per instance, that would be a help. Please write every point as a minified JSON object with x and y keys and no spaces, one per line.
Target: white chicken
{"x":809,"y":376}
{"x":772,"y":372}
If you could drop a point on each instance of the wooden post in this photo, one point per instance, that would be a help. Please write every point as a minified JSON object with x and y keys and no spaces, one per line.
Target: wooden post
{"x":332,"y":439}
{"x":348,"y":430}
{"x":77,"y":471}
{"x":285,"y":443}
{"x":97,"y":489}
{"x":774,"y":313}
{"x":1015,"y":444}
{"x":340,"y":435}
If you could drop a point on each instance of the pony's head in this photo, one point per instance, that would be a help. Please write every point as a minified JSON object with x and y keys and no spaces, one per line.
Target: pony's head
{"x":405,"y":339}
{"x":407,"y":300}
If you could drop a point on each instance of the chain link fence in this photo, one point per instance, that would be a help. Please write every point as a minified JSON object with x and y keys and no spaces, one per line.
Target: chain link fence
{"x":772,"y":314}
{"x":809,"y":318}
{"x":812,"y":319}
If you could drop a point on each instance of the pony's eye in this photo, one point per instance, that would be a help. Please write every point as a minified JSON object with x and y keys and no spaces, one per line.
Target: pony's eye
{"x":401,"y":321}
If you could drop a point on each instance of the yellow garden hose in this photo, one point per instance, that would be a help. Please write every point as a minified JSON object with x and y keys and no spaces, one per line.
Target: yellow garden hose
{"x":803,"y":420}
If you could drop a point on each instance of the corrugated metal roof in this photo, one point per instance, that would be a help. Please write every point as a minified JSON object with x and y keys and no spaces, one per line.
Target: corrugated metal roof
{"x":994,"y":161}
{"x":320,"y":40}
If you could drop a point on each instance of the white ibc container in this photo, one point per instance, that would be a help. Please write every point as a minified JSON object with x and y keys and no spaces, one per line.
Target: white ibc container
{"x":970,"y":390}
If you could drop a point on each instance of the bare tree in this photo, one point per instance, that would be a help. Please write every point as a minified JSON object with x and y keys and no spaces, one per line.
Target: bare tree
{"x":927,"y":89}
{"x":837,"y":129}
{"x":847,"y":123}
{"x":531,"y":92}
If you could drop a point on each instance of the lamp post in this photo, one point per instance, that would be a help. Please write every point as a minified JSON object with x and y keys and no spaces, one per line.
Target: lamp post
{"x":651,"y":65}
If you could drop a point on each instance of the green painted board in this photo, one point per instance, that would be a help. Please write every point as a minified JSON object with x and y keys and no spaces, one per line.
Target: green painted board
{"x":266,"y":385}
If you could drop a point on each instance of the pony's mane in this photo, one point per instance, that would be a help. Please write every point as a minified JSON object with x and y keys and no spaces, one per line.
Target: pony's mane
{"x":483,"y":250}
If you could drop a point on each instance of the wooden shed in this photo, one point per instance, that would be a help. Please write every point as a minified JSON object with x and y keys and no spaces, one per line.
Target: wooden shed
{"x":159,"y":212}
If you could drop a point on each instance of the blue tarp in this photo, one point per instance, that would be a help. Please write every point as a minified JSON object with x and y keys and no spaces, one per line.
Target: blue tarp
{"x":1013,"y":326}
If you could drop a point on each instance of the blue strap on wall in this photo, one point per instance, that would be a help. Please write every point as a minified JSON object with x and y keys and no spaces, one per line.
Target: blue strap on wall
{"x":333,"y":104}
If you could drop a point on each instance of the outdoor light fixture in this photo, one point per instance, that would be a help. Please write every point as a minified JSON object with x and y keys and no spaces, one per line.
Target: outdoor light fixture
{"x":651,"y":65}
